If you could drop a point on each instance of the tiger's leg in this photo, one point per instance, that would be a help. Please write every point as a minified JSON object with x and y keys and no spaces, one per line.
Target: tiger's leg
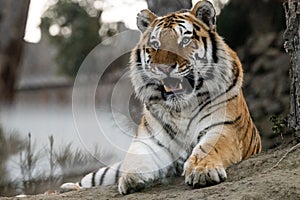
{"x":104,"y":176}
{"x":213,"y":153}
{"x":145,"y":164}
{"x":206,"y":165}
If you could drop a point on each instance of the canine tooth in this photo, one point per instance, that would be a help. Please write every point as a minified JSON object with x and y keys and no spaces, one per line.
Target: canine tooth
{"x":167,"y":89}
{"x":180,"y":86}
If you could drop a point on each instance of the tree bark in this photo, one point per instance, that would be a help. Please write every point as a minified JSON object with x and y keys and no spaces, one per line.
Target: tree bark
{"x":13,"y":17}
{"x":292,"y":46}
{"x":162,"y":7}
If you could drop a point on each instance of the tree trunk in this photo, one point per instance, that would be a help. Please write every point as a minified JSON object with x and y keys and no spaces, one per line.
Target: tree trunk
{"x":13,"y":17}
{"x":292,"y":46}
{"x":162,"y":7}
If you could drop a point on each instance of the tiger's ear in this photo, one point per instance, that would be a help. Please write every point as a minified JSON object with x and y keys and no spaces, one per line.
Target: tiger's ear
{"x":205,"y":11}
{"x":144,"y":19}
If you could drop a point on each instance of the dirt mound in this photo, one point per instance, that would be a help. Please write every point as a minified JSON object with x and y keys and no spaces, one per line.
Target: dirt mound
{"x":255,"y":178}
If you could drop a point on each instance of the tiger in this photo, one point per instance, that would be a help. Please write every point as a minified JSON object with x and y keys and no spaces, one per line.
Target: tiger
{"x":195,"y":120}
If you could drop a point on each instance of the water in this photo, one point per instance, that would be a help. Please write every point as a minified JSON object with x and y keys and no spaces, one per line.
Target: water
{"x":111,"y":133}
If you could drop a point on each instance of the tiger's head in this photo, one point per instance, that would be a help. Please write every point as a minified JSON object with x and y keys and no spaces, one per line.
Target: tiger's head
{"x":180,"y":58}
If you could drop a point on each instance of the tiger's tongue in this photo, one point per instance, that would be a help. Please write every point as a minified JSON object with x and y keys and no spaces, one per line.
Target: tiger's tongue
{"x":171,"y":84}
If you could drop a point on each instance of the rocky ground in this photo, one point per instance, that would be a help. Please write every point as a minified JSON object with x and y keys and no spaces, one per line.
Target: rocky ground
{"x":260,"y":177}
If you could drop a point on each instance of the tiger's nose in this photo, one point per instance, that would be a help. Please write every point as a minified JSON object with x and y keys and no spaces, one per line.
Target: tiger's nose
{"x":167,"y":69}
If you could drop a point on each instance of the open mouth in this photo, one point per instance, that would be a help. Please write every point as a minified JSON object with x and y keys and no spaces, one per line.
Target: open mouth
{"x":172,"y":85}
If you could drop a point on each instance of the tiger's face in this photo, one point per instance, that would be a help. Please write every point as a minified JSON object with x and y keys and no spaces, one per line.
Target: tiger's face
{"x":176,"y":58}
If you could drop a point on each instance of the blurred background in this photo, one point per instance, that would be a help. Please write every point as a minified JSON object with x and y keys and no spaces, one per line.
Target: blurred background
{"x":43,"y":45}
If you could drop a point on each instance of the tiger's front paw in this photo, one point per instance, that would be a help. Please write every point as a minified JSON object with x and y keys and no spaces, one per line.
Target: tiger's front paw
{"x":130,"y":183}
{"x":201,"y":173}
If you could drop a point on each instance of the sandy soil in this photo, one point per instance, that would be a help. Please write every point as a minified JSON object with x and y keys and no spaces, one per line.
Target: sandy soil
{"x":248,"y":180}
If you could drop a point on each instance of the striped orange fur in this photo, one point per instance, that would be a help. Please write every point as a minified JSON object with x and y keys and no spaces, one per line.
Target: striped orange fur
{"x":196,"y":121}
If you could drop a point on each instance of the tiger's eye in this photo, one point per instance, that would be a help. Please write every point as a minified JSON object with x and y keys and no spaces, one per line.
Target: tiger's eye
{"x":154,"y":44}
{"x":185,"y":40}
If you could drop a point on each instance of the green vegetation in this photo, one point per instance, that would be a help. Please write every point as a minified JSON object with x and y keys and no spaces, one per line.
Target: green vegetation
{"x":73,"y":27}
{"x":280,"y":125}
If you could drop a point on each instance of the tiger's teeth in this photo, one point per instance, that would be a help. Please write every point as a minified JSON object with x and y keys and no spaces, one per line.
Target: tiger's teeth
{"x":167,"y":89}
{"x":180,"y":86}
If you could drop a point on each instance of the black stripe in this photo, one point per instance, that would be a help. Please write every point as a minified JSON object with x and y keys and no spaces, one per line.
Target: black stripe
{"x":187,"y":32}
{"x":150,"y":85}
{"x":201,"y":94}
{"x":103,"y":175}
{"x":197,"y":56}
{"x":258,"y":142}
{"x":216,"y":150}
{"x":181,"y":26}
{"x":144,"y":77}
{"x":195,"y":35}
{"x":146,"y":124}
{"x":201,"y":148}
{"x":138,"y":56}
{"x":93,"y":179}
{"x":179,"y":21}
{"x":208,"y":101}
{"x":204,"y":40}
{"x":209,"y":114}
{"x":197,"y":27}
{"x":180,"y":17}
{"x":254,"y":149}
{"x":236,"y":72}
{"x":166,"y":126}
{"x":199,"y":85}
{"x":154,"y":98}
{"x":80,"y":184}
{"x":214,"y":46}
{"x":152,"y":150}
{"x":191,"y":79}
{"x":223,"y":123}
{"x":226,"y":101}
{"x":202,"y":105}
{"x":201,"y":133}
{"x":212,"y":146}
{"x":248,"y":126}
{"x":155,"y":87}
{"x":146,"y":49}
{"x":160,"y":23}
{"x":250,"y":144}
{"x":118,"y":173}
{"x":163,"y":146}
{"x":169,"y":130}
{"x":140,"y":68}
